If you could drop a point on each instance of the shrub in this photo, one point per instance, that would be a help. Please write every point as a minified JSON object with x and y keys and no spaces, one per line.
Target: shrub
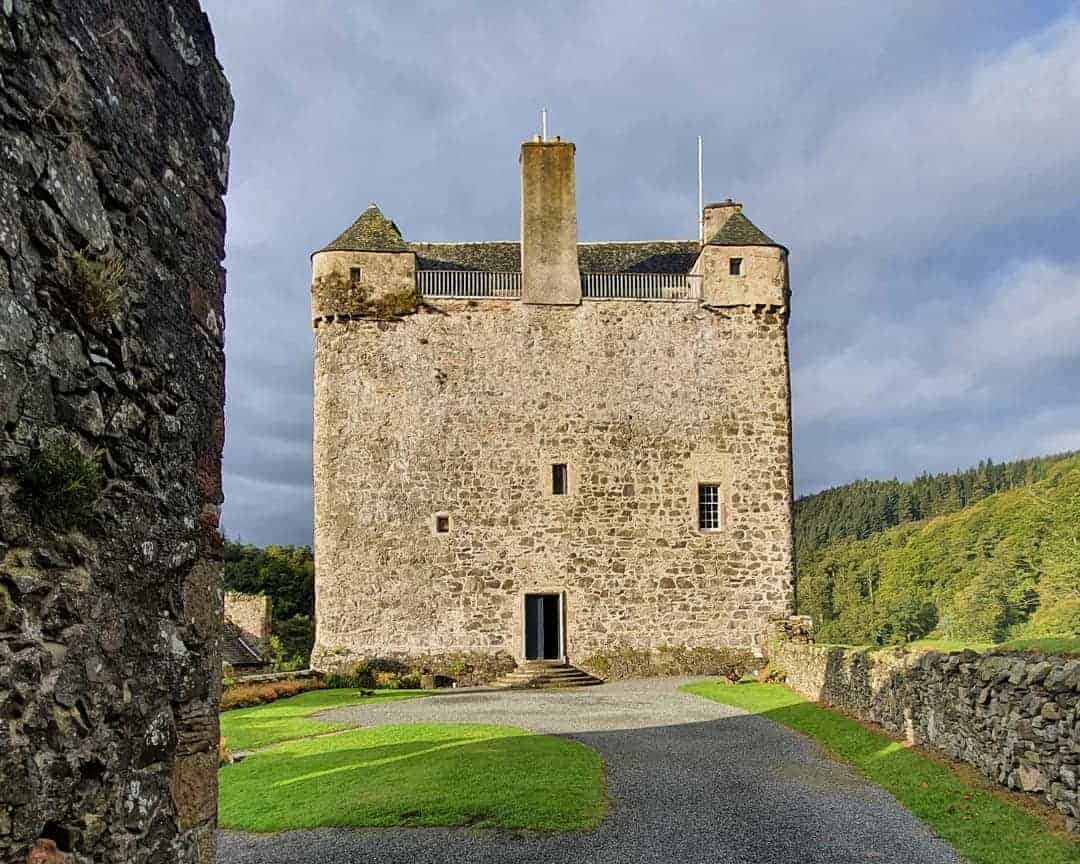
{"x":99,"y":286}
{"x":243,"y":695}
{"x":59,"y":485}
{"x":628,"y":662}
{"x":358,"y":676}
{"x":224,"y":756}
{"x":771,"y":675}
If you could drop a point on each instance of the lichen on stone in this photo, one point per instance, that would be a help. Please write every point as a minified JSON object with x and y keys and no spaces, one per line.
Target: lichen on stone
{"x":336,"y":295}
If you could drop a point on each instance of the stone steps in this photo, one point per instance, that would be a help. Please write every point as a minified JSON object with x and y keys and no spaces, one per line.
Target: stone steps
{"x":535,"y":674}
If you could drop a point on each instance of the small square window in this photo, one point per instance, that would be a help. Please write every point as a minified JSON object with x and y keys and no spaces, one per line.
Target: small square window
{"x":355,"y":274}
{"x":558,"y":479}
{"x":709,"y":507}
{"x":442,"y":523}
{"x":735,"y":266}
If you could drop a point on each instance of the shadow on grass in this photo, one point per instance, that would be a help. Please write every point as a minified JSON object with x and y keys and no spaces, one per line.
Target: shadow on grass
{"x":416,"y":775}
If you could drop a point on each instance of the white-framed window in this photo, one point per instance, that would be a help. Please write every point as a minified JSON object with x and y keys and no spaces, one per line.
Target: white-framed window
{"x":710,"y":507}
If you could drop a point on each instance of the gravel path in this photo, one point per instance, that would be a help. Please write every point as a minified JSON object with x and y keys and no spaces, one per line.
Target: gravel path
{"x":690,"y":781}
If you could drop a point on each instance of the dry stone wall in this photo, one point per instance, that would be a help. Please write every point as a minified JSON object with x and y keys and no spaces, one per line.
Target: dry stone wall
{"x":462,"y":408}
{"x":114,"y":116}
{"x":1012,"y":716}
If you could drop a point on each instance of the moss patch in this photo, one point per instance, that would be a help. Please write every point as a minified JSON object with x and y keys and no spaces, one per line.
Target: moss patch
{"x":58,"y":486}
{"x":99,"y":286}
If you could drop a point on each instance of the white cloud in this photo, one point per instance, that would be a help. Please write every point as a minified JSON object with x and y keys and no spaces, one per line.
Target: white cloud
{"x":948,"y":354}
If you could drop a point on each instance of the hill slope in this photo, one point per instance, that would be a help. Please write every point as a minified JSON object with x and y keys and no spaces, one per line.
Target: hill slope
{"x":865,"y":507}
{"x":1007,"y":566}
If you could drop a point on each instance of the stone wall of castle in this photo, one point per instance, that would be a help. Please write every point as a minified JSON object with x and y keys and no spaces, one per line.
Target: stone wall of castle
{"x":1014,"y":717}
{"x":251,"y":613}
{"x":462,"y":408}
{"x":113,"y":162}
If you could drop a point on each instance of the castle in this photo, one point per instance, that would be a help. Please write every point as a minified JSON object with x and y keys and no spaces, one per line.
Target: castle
{"x":550,"y":448}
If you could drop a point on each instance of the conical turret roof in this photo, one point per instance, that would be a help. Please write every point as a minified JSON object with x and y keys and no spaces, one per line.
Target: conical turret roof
{"x":372,"y":232}
{"x":740,"y":231}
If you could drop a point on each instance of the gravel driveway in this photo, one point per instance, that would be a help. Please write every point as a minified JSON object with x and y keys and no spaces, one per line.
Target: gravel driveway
{"x":690,"y":781}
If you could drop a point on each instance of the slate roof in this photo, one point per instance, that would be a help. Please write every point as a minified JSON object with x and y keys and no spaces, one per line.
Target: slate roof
{"x":372,"y":232}
{"x":740,"y":231}
{"x":662,"y":256}
{"x":235,"y":650}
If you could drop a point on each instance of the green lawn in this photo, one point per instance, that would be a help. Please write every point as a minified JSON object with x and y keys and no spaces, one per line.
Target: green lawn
{"x":982,"y":827}
{"x":417,"y":774}
{"x":1065,"y":646}
{"x":248,"y":728}
{"x":1060,"y":645}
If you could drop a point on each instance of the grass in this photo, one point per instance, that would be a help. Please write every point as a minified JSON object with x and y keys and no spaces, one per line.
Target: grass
{"x":417,"y":774}
{"x":286,"y":719}
{"x":981,"y":825}
{"x":1050,"y":646}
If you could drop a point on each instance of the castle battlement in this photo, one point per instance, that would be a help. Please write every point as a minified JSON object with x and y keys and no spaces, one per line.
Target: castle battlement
{"x":733,"y":263}
{"x":546,"y":448}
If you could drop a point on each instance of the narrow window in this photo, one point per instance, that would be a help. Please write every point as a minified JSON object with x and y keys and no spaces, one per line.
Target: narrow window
{"x":735,"y":266}
{"x":709,"y":507}
{"x":442,"y":523}
{"x":355,"y":274}
{"x":558,"y":479}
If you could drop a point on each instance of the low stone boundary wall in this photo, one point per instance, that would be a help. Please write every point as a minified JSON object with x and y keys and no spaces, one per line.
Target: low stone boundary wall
{"x":269,"y":677}
{"x":1013,"y":716}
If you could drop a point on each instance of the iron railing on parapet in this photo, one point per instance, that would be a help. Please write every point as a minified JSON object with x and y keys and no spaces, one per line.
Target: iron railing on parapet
{"x":469,"y":284}
{"x":640,"y":286}
{"x":503,"y":285}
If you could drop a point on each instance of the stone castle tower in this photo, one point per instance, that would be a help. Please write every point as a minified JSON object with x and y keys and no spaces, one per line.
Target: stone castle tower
{"x":550,"y":448}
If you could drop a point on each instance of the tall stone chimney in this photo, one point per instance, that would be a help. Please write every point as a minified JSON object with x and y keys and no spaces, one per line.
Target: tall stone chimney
{"x":549,"y":263}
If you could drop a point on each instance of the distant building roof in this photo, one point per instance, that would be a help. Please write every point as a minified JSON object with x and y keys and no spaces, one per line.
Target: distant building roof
{"x":372,"y":232}
{"x":740,"y":231}
{"x":236,"y":651}
{"x":661,"y":256}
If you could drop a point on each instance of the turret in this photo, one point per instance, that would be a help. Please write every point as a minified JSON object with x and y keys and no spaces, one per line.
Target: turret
{"x":739,"y":264}
{"x":549,"y":253}
{"x":368,"y":271}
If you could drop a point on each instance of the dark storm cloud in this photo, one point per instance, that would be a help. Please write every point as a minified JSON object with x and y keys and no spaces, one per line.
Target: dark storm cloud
{"x":920,"y":164}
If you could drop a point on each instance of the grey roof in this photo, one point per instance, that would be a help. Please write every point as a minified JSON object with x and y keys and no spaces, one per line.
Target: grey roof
{"x":662,"y":256}
{"x":235,"y":650}
{"x":740,"y":231}
{"x":372,"y":232}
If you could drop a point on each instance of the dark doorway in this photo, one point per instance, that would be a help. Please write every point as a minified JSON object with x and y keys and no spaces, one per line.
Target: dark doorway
{"x":543,"y":627}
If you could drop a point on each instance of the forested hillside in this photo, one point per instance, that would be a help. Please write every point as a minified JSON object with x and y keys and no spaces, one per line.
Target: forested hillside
{"x":857,"y":510}
{"x":1007,"y":566}
{"x":286,"y":574}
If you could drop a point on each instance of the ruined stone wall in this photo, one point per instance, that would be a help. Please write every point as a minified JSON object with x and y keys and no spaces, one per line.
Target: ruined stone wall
{"x":113,"y":121}
{"x":1014,"y":717}
{"x":463,"y":407}
{"x":252,"y":614}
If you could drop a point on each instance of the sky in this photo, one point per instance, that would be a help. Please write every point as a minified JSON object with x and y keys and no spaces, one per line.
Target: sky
{"x":920,"y":160}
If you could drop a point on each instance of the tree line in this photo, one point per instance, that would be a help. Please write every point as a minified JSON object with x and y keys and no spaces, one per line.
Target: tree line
{"x":866,"y":507}
{"x":286,"y":574}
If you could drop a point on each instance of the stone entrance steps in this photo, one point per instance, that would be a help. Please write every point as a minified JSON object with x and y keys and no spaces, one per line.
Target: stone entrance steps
{"x":545,"y":673}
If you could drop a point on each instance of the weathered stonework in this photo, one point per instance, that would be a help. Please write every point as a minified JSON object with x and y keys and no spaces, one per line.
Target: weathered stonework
{"x":463,"y":409}
{"x":113,"y":123}
{"x":1014,"y":717}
